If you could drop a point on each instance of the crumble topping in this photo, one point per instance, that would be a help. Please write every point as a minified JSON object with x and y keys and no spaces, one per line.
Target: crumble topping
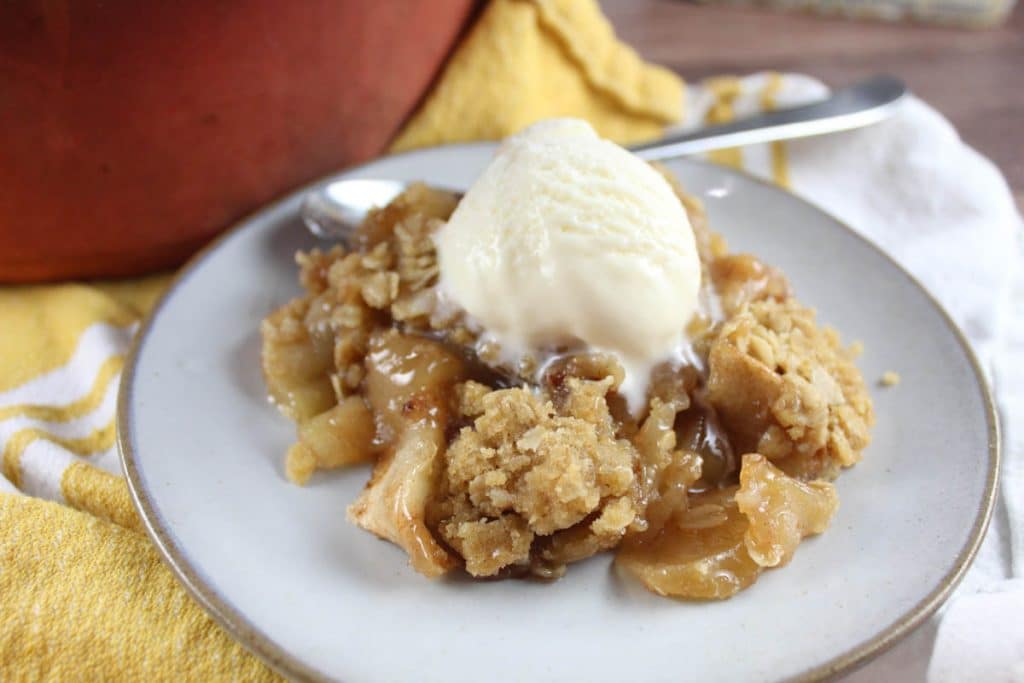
{"x":526,"y":469}
{"x":890,"y":378}
{"x":785,"y":388}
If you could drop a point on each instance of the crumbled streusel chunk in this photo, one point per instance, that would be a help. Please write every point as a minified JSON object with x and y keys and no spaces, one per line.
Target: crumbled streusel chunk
{"x":785,"y":388}
{"x":550,"y":468}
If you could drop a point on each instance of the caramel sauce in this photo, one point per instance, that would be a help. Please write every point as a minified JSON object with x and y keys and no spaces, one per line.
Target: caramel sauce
{"x":698,"y":429}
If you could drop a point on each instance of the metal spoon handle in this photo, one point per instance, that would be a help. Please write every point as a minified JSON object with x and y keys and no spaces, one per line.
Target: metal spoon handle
{"x":866,"y":102}
{"x":334,"y":210}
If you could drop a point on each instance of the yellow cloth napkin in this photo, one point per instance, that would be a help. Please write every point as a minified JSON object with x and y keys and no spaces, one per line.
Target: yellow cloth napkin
{"x":83,"y":594}
{"x":525,"y":61}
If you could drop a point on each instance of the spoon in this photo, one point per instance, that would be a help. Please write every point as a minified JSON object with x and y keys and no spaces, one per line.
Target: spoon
{"x":334,"y":210}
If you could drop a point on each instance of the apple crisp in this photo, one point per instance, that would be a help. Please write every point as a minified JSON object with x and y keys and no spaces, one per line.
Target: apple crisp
{"x":518,"y":467}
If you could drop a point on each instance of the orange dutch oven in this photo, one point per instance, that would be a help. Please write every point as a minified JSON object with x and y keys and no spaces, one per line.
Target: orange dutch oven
{"x":132,"y":132}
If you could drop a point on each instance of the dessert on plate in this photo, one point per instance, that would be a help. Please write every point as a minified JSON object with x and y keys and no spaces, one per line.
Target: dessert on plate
{"x":563,"y":362}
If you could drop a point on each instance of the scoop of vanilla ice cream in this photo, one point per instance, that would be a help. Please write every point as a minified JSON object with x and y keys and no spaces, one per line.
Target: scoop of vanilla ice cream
{"x":569,"y":238}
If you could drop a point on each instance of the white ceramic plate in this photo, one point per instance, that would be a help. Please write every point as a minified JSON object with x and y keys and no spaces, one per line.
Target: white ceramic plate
{"x":282,"y":570}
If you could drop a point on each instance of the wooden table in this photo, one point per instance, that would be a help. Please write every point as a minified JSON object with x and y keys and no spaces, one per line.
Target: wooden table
{"x":976,"y":78}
